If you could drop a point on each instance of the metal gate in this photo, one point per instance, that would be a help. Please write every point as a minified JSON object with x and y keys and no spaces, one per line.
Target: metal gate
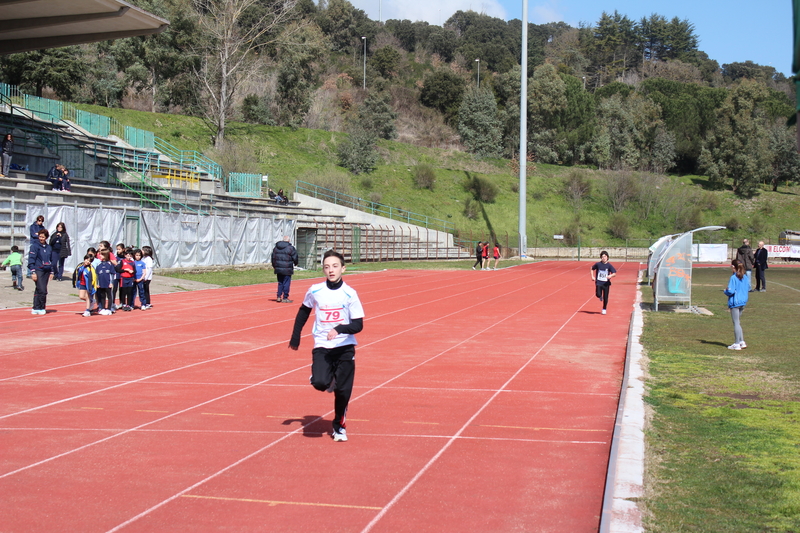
{"x":306,"y":244}
{"x":355,"y":248}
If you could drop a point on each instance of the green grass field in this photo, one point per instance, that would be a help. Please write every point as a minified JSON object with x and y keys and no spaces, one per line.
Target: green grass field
{"x":724,"y":433}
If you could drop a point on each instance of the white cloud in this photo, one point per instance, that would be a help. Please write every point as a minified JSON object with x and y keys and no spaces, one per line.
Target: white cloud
{"x":432,"y":12}
{"x":542,"y":14}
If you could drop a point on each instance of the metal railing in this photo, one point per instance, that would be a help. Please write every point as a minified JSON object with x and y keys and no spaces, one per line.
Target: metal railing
{"x":242,"y":184}
{"x":189,"y":158}
{"x":373,"y":208}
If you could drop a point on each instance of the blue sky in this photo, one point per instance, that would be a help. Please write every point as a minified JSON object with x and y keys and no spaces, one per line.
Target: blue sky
{"x":735,"y":30}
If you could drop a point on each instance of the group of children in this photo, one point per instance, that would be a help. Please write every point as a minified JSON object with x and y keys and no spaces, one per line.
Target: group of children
{"x":103,"y":273}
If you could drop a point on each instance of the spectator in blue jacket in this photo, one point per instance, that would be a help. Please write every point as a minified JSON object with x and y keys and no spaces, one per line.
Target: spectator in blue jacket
{"x":41,"y":267}
{"x":284,"y":259}
{"x":738,"y":292}
{"x":33,"y":231}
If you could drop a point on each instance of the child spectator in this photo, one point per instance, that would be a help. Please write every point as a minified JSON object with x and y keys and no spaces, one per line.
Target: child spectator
{"x":14,"y":260}
{"x":126,"y":280}
{"x":87,"y":283}
{"x":138,"y":284}
{"x":118,"y":266}
{"x":339,"y":316}
{"x":105,"y":281}
{"x":148,"y":277}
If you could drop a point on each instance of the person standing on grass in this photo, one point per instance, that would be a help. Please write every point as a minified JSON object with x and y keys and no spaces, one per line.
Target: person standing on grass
{"x":284,"y":259}
{"x":602,"y":272}
{"x":339,"y":317}
{"x":745,"y":255}
{"x":761,"y":256}
{"x":485,"y":255}
{"x":41,"y":267}
{"x":738,"y":293}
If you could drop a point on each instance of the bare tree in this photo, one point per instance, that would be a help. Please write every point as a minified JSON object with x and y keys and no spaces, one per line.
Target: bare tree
{"x":234,"y":31}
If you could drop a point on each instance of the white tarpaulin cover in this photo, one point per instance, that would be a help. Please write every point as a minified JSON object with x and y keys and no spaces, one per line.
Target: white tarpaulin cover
{"x":178,"y":239}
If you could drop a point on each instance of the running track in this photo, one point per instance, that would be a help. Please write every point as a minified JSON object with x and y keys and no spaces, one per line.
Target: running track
{"x":483,"y":401}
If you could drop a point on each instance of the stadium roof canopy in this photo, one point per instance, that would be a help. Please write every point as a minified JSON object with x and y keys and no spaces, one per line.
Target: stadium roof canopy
{"x":27,"y":25}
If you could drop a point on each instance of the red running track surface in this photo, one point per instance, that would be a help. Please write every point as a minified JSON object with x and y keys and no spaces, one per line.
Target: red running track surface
{"x":483,"y":401}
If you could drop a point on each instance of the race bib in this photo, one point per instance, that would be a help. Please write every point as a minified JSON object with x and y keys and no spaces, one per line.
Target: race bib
{"x":602,"y":275}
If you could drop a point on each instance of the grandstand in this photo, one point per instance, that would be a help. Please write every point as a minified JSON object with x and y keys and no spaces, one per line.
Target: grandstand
{"x":119,"y":167}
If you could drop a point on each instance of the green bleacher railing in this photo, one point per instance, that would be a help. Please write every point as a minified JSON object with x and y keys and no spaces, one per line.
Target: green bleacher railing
{"x":243,"y":184}
{"x":374,"y":208}
{"x":189,"y":158}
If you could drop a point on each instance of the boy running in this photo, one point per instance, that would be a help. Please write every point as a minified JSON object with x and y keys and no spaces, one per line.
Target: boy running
{"x":339,"y":316}
{"x":602,"y":272}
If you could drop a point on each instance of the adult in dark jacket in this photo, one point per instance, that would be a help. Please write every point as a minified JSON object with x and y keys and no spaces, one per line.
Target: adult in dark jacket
{"x":33,"y":231}
{"x":284,"y":259}
{"x":761,"y":266}
{"x":59,"y":242}
{"x":40,"y":264}
{"x":8,"y":151}
{"x":745,"y":255}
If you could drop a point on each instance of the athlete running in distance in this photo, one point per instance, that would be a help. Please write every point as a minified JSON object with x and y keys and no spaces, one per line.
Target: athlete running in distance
{"x":602,"y":272}
{"x":338,"y":317}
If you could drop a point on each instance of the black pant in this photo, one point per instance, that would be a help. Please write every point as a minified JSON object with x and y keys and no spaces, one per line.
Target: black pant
{"x":40,"y":294}
{"x":104,"y":300}
{"x":601,"y":291}
{"x":339,"y":363}
{"x":761,"y":278}
{"x":478,"y":261}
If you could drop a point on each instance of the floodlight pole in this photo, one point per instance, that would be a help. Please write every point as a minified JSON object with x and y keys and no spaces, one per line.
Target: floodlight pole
{"x":523,"y":137}
{"x":365,"y":62}
{"x":479,"y":72}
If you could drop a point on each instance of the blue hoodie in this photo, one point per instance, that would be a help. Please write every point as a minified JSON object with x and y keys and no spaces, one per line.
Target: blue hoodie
{"x":738,"y":291}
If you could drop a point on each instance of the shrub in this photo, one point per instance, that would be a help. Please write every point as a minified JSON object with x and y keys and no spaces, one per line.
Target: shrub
{"x":357,"y":153}
{"x":481,"y":189}
{"x":757,"y":224}
{"x":366,"y":182}
{"x":424,"y":176}
{"x":618,"y":226}
{"x":733,"y":224}
{"x":577,"y":188}
{"x":471,"y":209}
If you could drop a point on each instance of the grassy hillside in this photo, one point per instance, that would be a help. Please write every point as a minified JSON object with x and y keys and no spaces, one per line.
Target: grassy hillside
{"x":661,"y":205}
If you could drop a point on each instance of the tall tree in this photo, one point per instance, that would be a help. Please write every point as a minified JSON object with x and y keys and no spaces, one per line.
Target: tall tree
{"x":738,"y":148}
{"x":228,"y":51}
{"x":479,"y":125}
{"x":61,"y":69}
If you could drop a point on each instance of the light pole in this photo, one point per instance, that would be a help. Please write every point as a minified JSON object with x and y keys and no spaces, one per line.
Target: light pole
{"x":365,"y":62}
{"x":478,"y":61}
{"x":584,"y":82}
{"x":523,"y":138}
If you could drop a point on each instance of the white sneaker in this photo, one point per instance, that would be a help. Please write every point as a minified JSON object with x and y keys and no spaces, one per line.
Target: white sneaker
{"x":734,"y":346}
{"x":87,"y":313}
{"x":603,"y":312}
{"x":742,"y":345}
{"x":339,"y":436}
{"x":105,"y":312}
{"x":34,"y":311}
